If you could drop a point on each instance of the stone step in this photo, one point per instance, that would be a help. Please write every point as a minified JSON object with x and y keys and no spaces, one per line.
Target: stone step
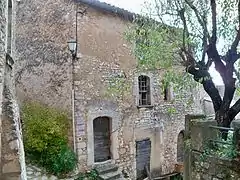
{"x":111,"y":176}
{"x":106,"y":168}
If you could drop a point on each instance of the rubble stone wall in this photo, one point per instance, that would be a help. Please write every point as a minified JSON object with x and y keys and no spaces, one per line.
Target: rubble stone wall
{"x":44,"y":73}
{"x":12,"y":160}
{"x":198,"y":166}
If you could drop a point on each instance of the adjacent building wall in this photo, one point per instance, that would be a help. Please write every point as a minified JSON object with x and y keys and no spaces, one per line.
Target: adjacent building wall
{"x":12,"y":161}
{"x":43,"y":61}
{"x":200,"y":165}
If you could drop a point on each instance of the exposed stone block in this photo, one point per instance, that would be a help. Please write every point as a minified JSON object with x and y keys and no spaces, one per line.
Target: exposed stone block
{"x":14,"y":145}
{"x":11,"y":167}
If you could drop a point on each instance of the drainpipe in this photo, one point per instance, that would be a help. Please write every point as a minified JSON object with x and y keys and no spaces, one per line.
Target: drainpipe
{"x":73,"y":120}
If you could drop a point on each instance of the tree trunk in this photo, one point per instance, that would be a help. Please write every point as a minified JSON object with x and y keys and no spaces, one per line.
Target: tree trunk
{"x":223,"y":120}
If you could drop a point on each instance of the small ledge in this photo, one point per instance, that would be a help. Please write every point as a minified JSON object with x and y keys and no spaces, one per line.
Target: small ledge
{"x":145,"y":106}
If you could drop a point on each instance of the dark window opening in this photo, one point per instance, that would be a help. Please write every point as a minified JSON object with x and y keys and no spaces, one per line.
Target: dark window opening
{"x":180,"y":147}
{"x":144,"y":91}
{"x":166,"y":94}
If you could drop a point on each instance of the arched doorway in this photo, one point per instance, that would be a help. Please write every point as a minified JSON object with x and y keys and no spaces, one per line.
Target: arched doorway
{"x":180,"y":147}
{"x":102,"y":139}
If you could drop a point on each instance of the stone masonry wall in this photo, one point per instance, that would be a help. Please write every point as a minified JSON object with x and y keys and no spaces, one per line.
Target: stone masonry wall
{"x":3,"y":6}
{"x":3,"y":21}
{"x":199,"y":167}
{"x":13,"y":158}
{"x":44,"y":74}
{"x":12,"y":162}
{"x":106,"y":54}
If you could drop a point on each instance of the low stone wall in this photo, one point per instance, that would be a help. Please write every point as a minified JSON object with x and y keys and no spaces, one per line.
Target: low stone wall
{"x":35,"y":173}
{"x":197,"y":164}
{"x":214,"y":168}
{"x":12,"y":150}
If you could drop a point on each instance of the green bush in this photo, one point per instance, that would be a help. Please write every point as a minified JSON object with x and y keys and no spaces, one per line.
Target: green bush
{"x":63,"y":162}
{"x":45,"y":137}
{"x":92,"y":175}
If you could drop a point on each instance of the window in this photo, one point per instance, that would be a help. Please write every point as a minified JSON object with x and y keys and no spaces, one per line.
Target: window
{"x":144,"y":91}
{"x":168,"y":93}
{"x":180,"y":147}
{"x":9,"y":29}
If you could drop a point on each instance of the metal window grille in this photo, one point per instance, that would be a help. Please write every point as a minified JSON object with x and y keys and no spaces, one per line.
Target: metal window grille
{"x":144,"y":91}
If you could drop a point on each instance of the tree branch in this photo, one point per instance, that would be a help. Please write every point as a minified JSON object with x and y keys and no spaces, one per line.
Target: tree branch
{"x":234,"y":110}
{"x":214,"y":22}
{"x":237,"y":38}
{"x":203,"y":77}
{"x":209,"y":63}
{"x":199,"y":17}
{"x":215,"y":57}
{"x":185,"y":28}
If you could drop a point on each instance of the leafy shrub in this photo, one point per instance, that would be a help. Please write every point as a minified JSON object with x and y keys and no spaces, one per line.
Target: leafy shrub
{"x":45,"y":138}
{"x":63,"y":162}
{"x":92,"y":175}
{"x":221,"y":149}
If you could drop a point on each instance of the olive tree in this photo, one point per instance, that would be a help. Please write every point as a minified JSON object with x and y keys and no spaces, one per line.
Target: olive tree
{"x":194,"y":34}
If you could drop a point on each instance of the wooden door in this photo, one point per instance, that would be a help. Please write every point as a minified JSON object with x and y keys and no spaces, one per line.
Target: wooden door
{"x":101,"y":127}
{"x":143,"y":153}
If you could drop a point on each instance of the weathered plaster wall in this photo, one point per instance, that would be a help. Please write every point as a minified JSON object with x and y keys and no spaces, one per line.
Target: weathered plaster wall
{"x":44,"y":73}
{"x":43,"y":61}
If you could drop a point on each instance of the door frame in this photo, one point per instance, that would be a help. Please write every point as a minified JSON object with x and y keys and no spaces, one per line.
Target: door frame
{"x":144,"y":139}
{"x":114,"y":118}
{"x":156,"y":156}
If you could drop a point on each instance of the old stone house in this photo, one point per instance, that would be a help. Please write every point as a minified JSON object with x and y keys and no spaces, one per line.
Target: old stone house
{"x":12,"y":163}
{"x":132,"y":129}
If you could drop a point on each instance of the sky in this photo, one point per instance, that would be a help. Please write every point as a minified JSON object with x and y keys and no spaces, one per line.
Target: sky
{"x":137,"y":6}
{"x":131,"y":5}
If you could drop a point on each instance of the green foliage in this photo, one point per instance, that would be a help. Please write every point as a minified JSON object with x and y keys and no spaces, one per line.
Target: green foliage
{"x":187,"y":144}
{"x":92,"y":175}
{"x":159,"y":34}
{"x":45,"y":138}
{"x":171,"y":110}
{"x":63,"y":162}
{"x":221,"y":149}
{"x":154,"y":44}
{"x":177,"y":177}
{"x":156,"y":47}
{"x":43,"y":127}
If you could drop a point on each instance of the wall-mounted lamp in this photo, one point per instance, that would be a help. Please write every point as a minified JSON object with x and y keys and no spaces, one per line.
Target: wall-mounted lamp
{"x":72,"y":46}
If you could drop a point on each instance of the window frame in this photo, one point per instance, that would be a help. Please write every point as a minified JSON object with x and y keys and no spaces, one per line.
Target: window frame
{"x":144,"y":86}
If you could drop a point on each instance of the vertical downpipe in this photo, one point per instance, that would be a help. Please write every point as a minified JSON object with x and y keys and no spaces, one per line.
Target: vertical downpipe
{"x":73,"y":90}
{"x":73,"y":121}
